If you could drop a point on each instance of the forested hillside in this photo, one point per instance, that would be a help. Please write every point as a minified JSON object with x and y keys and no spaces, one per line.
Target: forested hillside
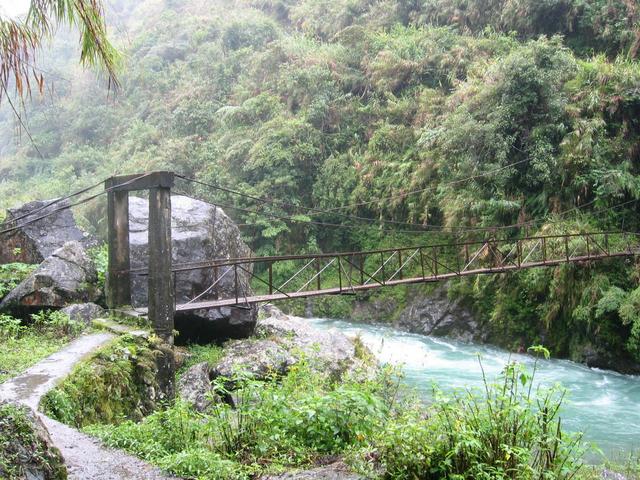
{"x":427,"y":119}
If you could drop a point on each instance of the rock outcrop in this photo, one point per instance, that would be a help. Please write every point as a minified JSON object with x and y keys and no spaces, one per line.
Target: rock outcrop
{"x":280,"y":342}
{"x":259,"y":359}
{"x":438,"y":316}
{"x":84,"y":312}
{"x":200,"y":232}
{"x":328,"y":350}
{"x":67,"y":276}
{"x":194,"y":386}
{"x":26,"y":448}
{"x":34,"y":242}
{"x":334,"y":471}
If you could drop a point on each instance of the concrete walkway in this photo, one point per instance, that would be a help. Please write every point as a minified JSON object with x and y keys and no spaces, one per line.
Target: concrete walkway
{"x":85,"y":457}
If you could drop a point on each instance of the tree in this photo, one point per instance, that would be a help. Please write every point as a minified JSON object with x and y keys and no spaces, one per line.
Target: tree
{"x":20,"y":39}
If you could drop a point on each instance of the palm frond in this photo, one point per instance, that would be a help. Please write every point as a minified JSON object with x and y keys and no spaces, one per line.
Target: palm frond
{"x":19,"y":40}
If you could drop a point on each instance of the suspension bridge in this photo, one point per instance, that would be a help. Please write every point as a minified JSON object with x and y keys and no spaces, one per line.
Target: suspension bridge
{"x":341,"y":273}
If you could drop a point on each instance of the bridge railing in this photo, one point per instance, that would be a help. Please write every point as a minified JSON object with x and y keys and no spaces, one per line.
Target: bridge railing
{"x":294,"y":276}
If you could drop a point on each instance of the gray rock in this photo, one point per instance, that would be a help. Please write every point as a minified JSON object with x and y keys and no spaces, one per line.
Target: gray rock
{"x":200,"y":232}
{"x":610,"y":475}
{"x":335,"y":471}
{"x":436,"y":315}
{"x":194,"y":386}
{"x":38,"y":240}
{"x":259,"y":359}
{"x":67,"y":276}
{"x":84,"y":312}
{"x":328,"y":350}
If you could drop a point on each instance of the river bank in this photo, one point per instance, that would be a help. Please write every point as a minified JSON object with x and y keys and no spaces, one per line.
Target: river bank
{"x":603,"y":404}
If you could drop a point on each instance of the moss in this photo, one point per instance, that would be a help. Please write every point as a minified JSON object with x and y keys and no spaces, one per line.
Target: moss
{"x":22,"y":449}
{"x":117,"y":383}
{"x":201,"y":353}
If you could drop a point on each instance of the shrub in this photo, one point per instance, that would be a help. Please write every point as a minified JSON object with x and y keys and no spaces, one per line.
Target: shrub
{"x":56,"y":322}
{"x":10,"y":327}
{"x":117,"y":383}
{"x":11,"y":274}
{"x":509,"y":432}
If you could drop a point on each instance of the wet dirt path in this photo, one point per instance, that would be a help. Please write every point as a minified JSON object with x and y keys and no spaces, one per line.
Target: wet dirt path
{"x":85,"y":457}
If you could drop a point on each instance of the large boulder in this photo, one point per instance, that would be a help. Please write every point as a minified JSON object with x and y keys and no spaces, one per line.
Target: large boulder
{"x":327,"y":350}
{"x":438,"y":316}
{"x":200,"y":233}
{"x":259,"y":359}
{"x":34,"y":242}
{"x":84,"y":312}
{"x":334,"y":471}
{"x":26,"y":449}
{"x":67,"y":276}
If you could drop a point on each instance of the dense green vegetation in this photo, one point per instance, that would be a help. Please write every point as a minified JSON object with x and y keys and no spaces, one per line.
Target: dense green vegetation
{"x":117,"y":383}
{"x":438,"y":115}
{"x":508,"y":431}
{"x":25,"y":344}
{"x":22,"y":452}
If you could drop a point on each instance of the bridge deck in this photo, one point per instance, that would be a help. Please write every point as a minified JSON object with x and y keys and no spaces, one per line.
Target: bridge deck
{"x":229,"y":302}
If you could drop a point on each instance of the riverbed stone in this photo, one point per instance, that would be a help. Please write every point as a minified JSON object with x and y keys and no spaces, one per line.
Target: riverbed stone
{"x":259,"y":359}
{"x":326,"y":350}
{"x":194,"y":386}
{"x":68,"y":276}
{"x":436,"y":315}
{"x":35,"y":242}
{"x":200,"y":232}
{"x":334,"y":471}
{"x":84,"y":312}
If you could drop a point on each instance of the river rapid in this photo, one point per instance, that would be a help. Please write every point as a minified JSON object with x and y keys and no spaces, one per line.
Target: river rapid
{"x":605,"y":405}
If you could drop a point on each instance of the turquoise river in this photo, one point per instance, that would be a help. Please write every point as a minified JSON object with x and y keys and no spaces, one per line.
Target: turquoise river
{"x":604,"y":405}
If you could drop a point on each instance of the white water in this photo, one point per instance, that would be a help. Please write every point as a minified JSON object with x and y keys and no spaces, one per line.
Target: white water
{"x":604,"y":405}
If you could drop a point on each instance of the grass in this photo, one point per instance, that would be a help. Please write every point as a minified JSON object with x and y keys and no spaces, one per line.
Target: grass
{"x":507,"y":431}
{"x":23,"y":345}
{"x":18,"y":354}
{"x":201,"y":353}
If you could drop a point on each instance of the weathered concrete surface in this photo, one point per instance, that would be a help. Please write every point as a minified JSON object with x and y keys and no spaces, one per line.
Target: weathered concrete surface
{"x":38,"y":240}
{"x":67,"y":276}
{"x":85,"y":457}
{"x":29,"y":387}
{"x":200,"y":232}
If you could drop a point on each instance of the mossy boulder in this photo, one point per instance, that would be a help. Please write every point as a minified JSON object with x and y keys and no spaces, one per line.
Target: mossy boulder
{"x":119,"y":382}
{"x":26,"y":450}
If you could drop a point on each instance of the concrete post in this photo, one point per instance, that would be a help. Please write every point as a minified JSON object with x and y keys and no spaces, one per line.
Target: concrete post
{"x":161,"y":290}
{"x":161,"y":294}
{"x":118,"y":284}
